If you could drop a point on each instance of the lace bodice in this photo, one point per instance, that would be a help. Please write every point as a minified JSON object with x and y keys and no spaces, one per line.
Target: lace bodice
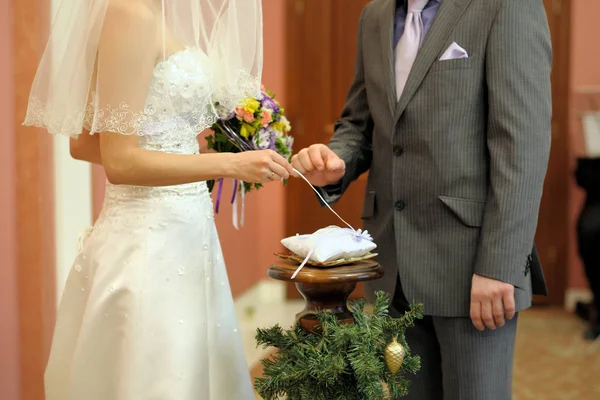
{"x":179,"y":101}
{"x":177,"y":109}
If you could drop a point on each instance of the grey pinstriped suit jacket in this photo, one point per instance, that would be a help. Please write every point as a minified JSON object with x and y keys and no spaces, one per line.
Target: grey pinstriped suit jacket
{"x":456,"y":167}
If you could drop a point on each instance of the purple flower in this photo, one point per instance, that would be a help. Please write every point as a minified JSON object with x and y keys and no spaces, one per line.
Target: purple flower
{"x":269,"y":103}
{"x":265,"y":96}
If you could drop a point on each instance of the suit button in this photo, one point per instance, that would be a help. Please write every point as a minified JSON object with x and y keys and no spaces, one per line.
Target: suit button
{"x":398,"y":151}
{"x":400,"y":205}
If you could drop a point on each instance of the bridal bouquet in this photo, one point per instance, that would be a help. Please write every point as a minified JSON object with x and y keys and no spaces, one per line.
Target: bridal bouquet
{"x":255,"y":124}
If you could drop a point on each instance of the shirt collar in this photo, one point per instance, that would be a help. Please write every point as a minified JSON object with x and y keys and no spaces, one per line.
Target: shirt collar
{"x":404,"y":3}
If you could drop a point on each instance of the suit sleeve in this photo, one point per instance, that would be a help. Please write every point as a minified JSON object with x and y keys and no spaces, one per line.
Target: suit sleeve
{"x":353,"y":131}
{"x":518,"y":64}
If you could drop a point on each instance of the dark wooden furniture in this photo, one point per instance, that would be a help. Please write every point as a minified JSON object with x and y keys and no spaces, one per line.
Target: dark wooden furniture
{"x":325,"y":289}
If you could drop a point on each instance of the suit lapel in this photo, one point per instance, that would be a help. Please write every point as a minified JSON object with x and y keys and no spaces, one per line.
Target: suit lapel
{"x":387,"y":38}
{"x":446,"y":18}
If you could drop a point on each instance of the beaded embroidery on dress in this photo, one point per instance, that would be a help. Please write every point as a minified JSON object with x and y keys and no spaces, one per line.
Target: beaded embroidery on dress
{"x":147,"y":311}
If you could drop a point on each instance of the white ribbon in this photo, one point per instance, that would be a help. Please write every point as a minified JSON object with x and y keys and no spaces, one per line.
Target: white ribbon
{"x":243,"y":201}
{"x":234,"y":208}
{"x":234,"y":212}
{"x":322,"y":199}
{"x":359,"y":234}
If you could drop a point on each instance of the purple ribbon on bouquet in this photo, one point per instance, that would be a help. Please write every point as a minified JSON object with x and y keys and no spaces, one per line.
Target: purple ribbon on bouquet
{"x":219,"y":191}
{"x":234,"y":216}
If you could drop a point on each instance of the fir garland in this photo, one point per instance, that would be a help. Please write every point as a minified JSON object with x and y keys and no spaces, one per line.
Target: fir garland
{"x":344,"y":362}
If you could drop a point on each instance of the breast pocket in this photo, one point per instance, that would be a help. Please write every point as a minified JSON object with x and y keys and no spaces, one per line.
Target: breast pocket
{"x":455,"y":85}
{"x":457,"y":63}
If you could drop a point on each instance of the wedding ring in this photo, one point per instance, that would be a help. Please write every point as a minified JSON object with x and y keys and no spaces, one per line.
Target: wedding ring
{"x":272,"y":175}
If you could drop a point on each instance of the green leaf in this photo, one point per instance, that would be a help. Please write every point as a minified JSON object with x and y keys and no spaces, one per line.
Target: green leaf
{"x":210,"y":184}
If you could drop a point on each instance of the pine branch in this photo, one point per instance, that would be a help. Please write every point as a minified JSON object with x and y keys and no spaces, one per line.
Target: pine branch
{"x":344,"y":362}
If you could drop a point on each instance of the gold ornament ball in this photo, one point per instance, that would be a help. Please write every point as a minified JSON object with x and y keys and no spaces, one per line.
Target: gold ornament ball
{"x":394,"y":356}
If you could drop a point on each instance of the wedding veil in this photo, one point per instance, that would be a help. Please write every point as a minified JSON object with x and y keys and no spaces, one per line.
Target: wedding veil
{"x":94,"y":72}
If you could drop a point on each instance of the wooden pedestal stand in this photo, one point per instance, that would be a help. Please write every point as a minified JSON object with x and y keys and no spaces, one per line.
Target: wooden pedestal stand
{"x":326,"y":289}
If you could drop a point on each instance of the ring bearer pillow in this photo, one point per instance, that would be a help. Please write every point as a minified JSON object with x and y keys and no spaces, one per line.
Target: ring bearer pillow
{"x":330,"y":244}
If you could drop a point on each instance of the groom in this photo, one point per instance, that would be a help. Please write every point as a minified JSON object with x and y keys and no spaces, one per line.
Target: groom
{"x":450,"y":112}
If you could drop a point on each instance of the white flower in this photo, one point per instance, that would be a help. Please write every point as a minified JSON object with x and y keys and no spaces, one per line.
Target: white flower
{"x":289,"y":142}
{"x":286,"y":123}
{"x":263,"y":139}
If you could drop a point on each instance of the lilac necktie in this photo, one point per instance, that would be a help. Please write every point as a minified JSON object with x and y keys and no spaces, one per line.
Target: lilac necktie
{"x":409,"y":43}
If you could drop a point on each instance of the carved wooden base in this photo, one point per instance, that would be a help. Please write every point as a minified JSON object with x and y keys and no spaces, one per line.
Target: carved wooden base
{"x":326,"y":289}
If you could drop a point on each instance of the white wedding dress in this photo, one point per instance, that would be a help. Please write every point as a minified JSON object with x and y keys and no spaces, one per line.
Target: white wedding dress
{"x":147,"y":312}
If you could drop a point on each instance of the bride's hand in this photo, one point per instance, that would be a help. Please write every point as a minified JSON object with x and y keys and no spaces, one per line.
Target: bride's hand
{"x":260,"y":166}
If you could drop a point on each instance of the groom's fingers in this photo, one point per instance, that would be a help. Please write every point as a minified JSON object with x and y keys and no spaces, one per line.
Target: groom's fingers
{"x":305,"y":163}
{"x":335,"y":165}
{"x":315,"y":154}
{"x":487,"y":314}
{"x":296,"y":164}
{"x":329,"y":159}
{"x":498,"y":310}
{"x":476,"y":315}
{"x":509,"y":304}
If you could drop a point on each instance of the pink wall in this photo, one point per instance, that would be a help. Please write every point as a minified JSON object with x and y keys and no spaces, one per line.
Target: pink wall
{"x":9,"y":334}
{"x":585,"y":72}
{"x":248,"y":252}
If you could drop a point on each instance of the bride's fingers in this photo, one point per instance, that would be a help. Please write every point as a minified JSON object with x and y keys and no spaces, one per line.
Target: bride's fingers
{"x":284,"y":162}
{"x":279,"y":170}
{"x":273,"y":177}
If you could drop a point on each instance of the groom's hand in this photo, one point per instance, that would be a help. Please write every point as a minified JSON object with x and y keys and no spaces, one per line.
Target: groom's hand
{"x":320,"y":165}
{"x":491,"y":302}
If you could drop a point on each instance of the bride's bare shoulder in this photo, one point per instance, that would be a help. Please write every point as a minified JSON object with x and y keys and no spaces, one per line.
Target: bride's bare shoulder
{"x":131,"y":15}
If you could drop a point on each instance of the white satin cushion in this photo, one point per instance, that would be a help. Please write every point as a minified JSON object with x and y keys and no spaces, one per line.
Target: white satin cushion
{"x":331,"y":243}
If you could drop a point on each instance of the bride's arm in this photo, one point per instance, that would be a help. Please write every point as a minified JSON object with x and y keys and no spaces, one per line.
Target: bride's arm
{"x":127,"y":164}
{"x":86,"y":147}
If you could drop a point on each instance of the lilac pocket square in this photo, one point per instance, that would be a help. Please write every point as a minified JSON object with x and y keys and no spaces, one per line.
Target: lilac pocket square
{"x":453,"y":52}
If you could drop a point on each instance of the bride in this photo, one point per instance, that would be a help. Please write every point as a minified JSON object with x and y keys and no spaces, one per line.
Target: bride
{"x":147,"y":311}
